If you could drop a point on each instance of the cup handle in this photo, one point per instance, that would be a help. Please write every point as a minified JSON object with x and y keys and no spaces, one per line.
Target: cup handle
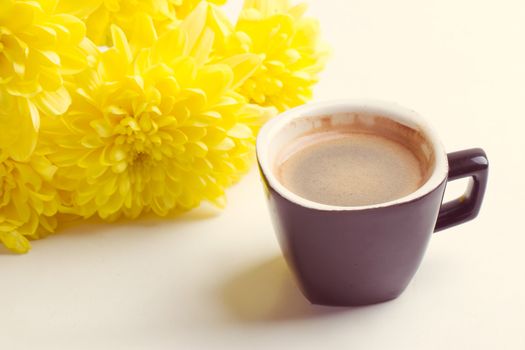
{"x":471,"y":163}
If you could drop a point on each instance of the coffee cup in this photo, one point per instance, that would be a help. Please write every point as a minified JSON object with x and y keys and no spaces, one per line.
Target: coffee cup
{"x":347,"y":253}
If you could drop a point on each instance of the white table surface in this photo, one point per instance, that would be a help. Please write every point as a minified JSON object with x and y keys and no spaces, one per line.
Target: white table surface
{"x":216,"y":280}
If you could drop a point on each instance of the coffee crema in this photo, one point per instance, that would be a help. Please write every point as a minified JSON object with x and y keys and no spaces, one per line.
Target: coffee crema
{"x":355,"y":165}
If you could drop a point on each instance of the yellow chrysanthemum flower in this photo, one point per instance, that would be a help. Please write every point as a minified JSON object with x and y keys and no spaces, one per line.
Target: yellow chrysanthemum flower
{"x":28,"y":201}
{"x":99,"y":15}
{"x":37,"y":48}
{"x":290,"y":47}
{"x":155,"y":128}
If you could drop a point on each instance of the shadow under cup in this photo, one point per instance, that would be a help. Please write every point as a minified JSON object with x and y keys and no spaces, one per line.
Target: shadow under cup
{"x":355,"y":255}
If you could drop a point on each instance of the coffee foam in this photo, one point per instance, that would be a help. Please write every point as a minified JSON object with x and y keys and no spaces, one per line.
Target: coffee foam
{"x":401,"y":161}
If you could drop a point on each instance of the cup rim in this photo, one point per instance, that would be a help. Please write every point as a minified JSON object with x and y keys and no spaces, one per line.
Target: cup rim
{"x":386,"y":109}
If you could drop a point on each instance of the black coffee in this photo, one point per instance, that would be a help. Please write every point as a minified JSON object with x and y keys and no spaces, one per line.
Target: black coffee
{"x":345,"y":168}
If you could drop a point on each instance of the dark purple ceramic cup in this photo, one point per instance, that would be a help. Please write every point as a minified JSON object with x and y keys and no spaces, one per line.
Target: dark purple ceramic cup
{"x":367,"y":254}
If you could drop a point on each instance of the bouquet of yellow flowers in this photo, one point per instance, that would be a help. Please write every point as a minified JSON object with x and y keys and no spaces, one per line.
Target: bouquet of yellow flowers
{"x":122,"y":107}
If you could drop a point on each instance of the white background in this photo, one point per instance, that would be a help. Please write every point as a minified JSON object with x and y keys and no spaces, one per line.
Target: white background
{"x":215,"y":280}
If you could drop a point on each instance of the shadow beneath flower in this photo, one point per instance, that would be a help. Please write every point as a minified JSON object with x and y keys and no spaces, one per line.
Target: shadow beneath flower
{"x":5,"y":251}
{"x":78,"y":226}
{"x":203,"y":212}
{"x":267,"y":293}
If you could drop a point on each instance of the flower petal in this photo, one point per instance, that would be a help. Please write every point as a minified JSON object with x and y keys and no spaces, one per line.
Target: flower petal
{"x":15,"y":242}
{"x":54,"y":102}
{"x":214,"y":80}
{"x":243,"y":67}
{"x":193,"y":25}
{"x":240,"y":131}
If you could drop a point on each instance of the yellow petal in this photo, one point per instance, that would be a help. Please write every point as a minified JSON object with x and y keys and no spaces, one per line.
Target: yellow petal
{"x":225,"y":145}
{"x":190,"y":100}
{"x":23,"y":16}
{"x":240,"y":131}
{"x":197,"y":149}
{"x":243,"y":67}
{"x":215,"y":80}
{"x":144,"y":33}
{"x":54,"y":102}
{"x":73,"y":60}
{"x":179,"y":137}
{"x":169,"y":46}
{"x":24,"y":88}
{"x":113,"y":67}
{"x":203,"y":47}
{"x":298,"y":10}
{"x":193,"y":133}
{"x":120,"y":42}
{"x":185,"y":70}
{"x":50,"y":79}
{"x":15,"y":242}
{"x":80,"y":9}
{"x":20,"y":131}
{"x":75,"y":27}
{"x":193,"y":25}
{"x":42,"y":36}
{"x":97,"y":26}
{"x":44,"y":167}
{"x":220,"y":23}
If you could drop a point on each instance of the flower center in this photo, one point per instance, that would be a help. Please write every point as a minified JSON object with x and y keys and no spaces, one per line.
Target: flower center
{"x":137,"y":139}
{"x":140,"y":158}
